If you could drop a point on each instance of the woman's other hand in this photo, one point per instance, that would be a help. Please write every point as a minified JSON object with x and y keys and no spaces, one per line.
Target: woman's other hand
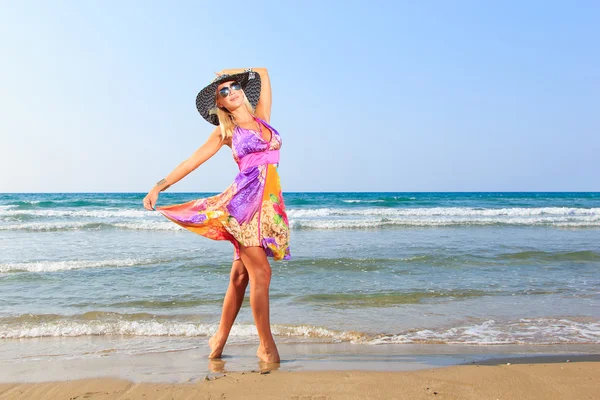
{"x":150,"y":200}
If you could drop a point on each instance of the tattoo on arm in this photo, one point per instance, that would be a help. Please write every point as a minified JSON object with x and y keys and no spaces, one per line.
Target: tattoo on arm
{"x":161,"y":182}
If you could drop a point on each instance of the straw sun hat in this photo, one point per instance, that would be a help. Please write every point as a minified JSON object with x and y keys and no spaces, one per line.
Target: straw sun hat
{"x":205,"y":101}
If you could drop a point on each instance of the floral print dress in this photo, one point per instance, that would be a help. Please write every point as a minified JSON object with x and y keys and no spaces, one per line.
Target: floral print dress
{"x":251,"y":210}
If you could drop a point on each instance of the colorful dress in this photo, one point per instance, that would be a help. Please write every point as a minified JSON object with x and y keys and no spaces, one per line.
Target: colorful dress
{"x":250,"y":211}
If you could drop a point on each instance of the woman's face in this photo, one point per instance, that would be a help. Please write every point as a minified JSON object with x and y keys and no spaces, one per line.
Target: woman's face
{"x":234,"y":98}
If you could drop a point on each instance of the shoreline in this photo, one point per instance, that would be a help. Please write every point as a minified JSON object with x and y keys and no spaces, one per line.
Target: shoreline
{"x":59,"y":359}
{"x":535,"y":377}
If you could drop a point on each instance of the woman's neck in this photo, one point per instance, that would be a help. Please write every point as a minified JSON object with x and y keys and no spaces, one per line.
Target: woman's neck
{"x":241,"y":115}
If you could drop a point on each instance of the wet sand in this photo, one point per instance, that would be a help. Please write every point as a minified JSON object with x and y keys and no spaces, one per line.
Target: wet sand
{"x":537,"y":377}
{"x":58,"y":359}
{"x":575,"y":380}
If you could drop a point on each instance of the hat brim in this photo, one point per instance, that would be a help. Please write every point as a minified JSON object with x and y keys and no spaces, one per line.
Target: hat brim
{"x":205,"y":101}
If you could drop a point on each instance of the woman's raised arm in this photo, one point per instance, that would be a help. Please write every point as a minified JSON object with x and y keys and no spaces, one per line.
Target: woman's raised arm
{"x":263,"y":108}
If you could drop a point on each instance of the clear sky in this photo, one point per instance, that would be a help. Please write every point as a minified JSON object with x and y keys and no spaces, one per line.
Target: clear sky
{"x":368,"y":95}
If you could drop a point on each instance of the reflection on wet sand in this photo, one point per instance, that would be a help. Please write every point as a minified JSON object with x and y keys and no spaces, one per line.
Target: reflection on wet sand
{"x":218,"y":366}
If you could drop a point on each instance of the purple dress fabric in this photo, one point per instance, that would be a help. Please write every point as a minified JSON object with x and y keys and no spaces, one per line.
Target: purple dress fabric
{"x":251,"y":211}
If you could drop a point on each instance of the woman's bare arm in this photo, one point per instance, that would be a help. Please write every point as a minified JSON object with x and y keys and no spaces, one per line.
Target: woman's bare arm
{"x":204,"y":152}
{"x":263,"y":108}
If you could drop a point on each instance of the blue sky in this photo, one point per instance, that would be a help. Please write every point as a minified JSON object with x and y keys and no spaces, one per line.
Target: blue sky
{"x":368,"y":96}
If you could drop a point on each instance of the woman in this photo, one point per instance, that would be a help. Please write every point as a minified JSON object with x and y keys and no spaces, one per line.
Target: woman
{"x":250,"y":213}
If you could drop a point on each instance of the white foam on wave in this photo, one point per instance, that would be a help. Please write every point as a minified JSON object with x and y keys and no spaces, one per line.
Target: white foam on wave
{"x":371,"y":223}
{"x":78,"y":213}
{"x":45,"y":226}
{"x":326,"y":218}
{"x":50,"y":266}
{"x":534,"y":331}
{"x":573,"y":222}
{"x":363,"y":201}
{"x":540,"y":331}
{"x":312,"y":331}
{"x":71,"y":328}
{"x":446,"y":212}
{"x":324,"y":212}
{"x":67,"y":328}
{"x":342,"y":218}
{"x":148,"y":225}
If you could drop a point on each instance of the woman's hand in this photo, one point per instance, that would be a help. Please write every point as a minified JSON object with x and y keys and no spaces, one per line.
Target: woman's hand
{"x":150,"y":200}
{"x":231,"y":71}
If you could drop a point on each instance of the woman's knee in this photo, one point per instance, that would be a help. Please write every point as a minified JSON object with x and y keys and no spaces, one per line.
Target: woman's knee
{"x":262,"y":275}
{"x":240,"y":280}
{"x":239,"y":275}
{"x":257,"y":265}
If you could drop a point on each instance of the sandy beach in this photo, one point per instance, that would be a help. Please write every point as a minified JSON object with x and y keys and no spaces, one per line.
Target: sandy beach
{"x":523,"y":378}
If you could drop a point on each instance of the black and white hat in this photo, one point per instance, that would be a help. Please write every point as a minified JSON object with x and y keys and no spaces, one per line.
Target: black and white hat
{"x":205,"y":101}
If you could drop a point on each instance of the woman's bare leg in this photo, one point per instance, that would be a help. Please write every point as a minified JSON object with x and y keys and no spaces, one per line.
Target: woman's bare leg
{"x":238,"y":282}
{"x":257,"y":265}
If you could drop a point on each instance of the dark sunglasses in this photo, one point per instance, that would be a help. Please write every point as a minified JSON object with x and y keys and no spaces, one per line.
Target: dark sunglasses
{"x":226,"y":90}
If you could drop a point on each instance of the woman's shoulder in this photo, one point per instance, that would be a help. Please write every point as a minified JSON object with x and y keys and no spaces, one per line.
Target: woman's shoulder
{"x":216,"y":135}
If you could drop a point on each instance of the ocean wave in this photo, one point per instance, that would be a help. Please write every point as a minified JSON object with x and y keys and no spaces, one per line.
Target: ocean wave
{"x":114,"y":212}
{"x":384,"y":299}
{"x":324,"y":224}
{"x":516,"y":258}
{"x":108,"y":324}
{"x":345,"y":264}
{"x":36,"y":204}
{"x":583,"y":255}
{"x":316,"y":218}
{"x":81,"y":213}
{"x":80,"y":225}
{"x":573,"y":222}
{"x":531,"y":331}
{"x":540,"y":331}
{"x":50,"y":266}
{"x":446,"y":212}
{"x":363,"y":201}
{"x":390,"y":199}
{"x":411,"y":264}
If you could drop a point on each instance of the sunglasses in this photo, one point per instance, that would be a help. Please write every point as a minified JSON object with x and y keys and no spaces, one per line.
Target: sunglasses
{"x":226,"y":90}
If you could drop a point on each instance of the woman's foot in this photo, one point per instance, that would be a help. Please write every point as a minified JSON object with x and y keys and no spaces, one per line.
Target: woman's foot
{"x":268,"y":356}
{"x":216,"y":347}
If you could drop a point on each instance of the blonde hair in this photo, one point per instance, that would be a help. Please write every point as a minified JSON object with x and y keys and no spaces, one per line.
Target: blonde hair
{"x":226,"y":120}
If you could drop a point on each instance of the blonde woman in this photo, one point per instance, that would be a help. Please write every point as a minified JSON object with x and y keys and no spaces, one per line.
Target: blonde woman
{"x":250,"y":213}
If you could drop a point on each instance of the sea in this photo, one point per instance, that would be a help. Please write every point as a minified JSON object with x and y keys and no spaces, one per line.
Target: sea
{"x":381,"y":269}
